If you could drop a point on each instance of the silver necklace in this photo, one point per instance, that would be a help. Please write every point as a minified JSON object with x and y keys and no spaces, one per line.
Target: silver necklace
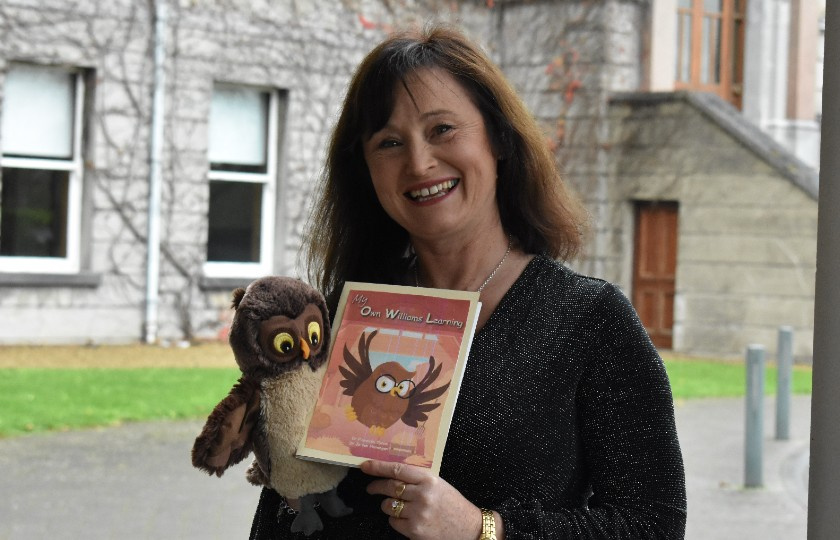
{"x":486,"y":281}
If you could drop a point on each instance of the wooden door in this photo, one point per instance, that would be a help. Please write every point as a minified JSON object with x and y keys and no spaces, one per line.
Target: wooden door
{"x":655,"y":269}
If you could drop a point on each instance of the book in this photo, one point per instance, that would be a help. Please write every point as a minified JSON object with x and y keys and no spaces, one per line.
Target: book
{"x":397,"y":357}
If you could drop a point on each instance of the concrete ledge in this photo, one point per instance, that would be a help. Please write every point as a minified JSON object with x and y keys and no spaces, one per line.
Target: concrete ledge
{"x":733,"y":122}
{"x":222,"y":284}
{"x":83,"y":279}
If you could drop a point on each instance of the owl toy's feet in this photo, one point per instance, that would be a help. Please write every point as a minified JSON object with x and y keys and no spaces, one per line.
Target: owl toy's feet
{"x":255,"y":475}
{"x":307,"y":521}
{"x":377,"y":431}
{"x":350,"y":413}
{"x":332,"y":504}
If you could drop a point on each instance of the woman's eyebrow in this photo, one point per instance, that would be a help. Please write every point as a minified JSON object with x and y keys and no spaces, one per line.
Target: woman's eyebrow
{"x":436,"y":112}
{"x":423,"y":116}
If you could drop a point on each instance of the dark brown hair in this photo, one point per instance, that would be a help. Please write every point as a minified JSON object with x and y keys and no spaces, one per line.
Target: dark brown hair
{"x":351,"y":238}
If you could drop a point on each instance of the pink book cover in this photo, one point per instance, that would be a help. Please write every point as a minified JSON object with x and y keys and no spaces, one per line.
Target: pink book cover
{"x":396,"y":361}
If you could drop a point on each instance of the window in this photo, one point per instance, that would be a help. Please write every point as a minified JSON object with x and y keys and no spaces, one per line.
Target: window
{"x":710,"y":47}
{"x":242,"y":151}
{"x":41,"y":176}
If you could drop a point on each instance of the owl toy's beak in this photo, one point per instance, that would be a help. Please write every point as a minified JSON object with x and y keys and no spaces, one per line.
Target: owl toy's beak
{"x":304,"y":349}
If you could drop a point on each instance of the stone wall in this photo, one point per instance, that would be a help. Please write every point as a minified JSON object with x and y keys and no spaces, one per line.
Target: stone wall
{"x":305,"y":49}
{"x":566,"y":68}
{"x":554,"y":52}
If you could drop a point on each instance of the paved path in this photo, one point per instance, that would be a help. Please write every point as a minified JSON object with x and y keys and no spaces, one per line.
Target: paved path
{"x":719,"y":507}
{"x":131,"y":482}
{"x":135,"y":482}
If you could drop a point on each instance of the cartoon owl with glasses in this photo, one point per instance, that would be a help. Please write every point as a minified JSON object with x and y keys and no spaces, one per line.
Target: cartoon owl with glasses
{"x":388,"y":393}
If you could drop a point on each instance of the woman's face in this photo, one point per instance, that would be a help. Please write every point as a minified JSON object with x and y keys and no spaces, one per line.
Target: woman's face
{"x":432,"y":164}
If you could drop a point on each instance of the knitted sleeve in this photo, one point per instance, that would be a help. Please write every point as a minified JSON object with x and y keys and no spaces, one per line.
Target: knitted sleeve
{"x":629,"y":441}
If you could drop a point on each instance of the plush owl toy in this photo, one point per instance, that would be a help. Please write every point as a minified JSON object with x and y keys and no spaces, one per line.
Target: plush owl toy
{"x":279,"y":336}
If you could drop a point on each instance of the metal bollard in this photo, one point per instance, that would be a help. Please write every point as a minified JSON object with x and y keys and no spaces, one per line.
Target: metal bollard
{"x":784,"y":369}
{"x":754,"y":417}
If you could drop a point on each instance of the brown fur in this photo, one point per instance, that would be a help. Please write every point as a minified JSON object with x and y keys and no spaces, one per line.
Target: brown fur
{"x":225,"y":440}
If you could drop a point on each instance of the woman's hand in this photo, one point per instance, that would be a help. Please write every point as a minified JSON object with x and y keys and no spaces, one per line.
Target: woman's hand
{"x":431,"y":507}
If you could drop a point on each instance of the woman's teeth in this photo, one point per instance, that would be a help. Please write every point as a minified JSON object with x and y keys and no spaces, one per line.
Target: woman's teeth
{"x":437,"y":189}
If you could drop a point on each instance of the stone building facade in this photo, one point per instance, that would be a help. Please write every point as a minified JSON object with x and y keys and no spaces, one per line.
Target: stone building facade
{"x":286,"y":63}
{"x":747,"y":219}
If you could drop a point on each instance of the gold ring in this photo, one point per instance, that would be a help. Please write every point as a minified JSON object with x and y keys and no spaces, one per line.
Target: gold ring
{"x":397,"y":506}
{"x":400,"y":489}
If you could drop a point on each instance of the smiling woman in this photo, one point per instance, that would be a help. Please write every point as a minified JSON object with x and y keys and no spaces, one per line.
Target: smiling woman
{"x":438,"y":176}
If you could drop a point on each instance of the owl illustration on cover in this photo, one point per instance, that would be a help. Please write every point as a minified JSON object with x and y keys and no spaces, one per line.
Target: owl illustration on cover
{"x":388,"y":393}
{"x":279,"y":336}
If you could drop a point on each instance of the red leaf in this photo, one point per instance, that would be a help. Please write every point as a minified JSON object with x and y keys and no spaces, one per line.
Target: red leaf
{"x":570,"y":90}
{"x":366,"y":23}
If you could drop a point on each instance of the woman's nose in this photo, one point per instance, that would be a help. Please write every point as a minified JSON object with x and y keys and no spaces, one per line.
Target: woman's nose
{"x":420,"y":158}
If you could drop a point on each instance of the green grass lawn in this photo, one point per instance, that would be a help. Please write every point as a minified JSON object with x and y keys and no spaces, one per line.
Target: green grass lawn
{"x":42,"y":399}
{"x":696,"y":378}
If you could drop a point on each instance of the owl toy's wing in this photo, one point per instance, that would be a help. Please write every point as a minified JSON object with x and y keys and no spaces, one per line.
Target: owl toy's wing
{"x":357,"y":371}
{"x":418,"y":403}
{"x":226,"y":438}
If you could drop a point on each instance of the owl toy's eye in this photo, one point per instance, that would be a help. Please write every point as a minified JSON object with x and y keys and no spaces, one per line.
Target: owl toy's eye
{"x":385,"y":384}
{"x":405,"y":388}
{"x":314,"y":331}
{"x":284,"y":343}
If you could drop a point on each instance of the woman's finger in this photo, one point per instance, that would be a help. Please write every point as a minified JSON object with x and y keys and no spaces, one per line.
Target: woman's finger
{"x":398,"y":471}
{"x":390,"y":488}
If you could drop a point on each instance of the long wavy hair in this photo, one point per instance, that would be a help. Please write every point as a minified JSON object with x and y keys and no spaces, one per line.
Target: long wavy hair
{"x":351,"y":238}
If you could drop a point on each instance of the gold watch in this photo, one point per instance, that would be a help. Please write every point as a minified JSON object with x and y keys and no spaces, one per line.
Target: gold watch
{"x":488,"y":525}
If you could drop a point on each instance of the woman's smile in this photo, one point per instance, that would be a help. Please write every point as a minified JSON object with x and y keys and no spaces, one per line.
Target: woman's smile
{"x":435,"y":191}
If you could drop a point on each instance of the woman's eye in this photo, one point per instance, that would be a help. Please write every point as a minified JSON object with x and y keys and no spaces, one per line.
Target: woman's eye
{"x":442,"y":128}
{"x":388,"y":143}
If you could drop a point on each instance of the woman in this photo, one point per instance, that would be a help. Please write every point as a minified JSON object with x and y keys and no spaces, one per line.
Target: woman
{"x":437,"y":176}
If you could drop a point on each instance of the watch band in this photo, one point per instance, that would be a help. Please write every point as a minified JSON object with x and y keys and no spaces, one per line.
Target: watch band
{"x":488,"y":525}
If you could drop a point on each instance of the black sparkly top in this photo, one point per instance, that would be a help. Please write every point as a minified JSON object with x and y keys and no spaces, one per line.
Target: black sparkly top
{"x":564,"y":423}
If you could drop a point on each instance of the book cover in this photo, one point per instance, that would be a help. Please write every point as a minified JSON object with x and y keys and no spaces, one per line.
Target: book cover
{"x":396,"y":361}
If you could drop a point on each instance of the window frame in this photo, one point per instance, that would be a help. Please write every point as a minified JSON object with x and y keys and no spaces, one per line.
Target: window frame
{"x":730,"y":47}
{"x":268,"y":179}
{"x":71,"y":262}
